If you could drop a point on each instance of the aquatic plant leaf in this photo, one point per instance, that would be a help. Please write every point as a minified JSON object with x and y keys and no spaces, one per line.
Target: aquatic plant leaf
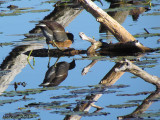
{"x":21,"y":115}
{"x":122,"y":106}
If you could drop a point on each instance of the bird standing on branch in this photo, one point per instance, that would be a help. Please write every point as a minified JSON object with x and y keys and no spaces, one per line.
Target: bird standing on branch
{"x":55,"y":34}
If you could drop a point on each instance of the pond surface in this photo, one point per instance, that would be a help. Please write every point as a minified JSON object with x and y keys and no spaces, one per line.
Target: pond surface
{"x":21,"y":97}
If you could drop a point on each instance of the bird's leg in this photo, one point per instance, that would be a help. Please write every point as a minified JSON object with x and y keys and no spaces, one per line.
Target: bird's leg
{"x":56,"y":45}
{"x":56,"y":61}
{"x":28,"y":59}
{"x":48,"y":49}
{"x":49,"y":62}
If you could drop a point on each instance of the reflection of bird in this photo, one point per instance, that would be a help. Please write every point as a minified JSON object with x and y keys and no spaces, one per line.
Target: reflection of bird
{"x":55,"y":34}
{"x":56,"y":74}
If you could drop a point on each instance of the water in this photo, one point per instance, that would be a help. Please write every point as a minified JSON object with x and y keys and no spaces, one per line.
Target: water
{"x":12,"y":30}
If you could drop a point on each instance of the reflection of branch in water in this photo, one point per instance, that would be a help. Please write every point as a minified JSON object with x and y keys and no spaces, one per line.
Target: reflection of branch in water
{"x":110,"y":78}
{"x":15,"y":62}
{"x":61,"y":14}
{"x":144,"y":106}
{"x":86,"y":69}
{"x":127,"y":66}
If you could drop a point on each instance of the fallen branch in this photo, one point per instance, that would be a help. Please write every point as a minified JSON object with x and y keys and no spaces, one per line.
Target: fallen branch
{"x":127,"y":66}
{"x":121,"y":47}
{"x":120,"y":33}
{"x":112,"y":25}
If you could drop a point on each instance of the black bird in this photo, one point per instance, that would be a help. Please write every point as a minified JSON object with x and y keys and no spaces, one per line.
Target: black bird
{"x":57,"y":74}
{"x":55,"y":34}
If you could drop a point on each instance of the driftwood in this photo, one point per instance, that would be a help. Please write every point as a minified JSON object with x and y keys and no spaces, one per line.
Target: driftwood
{"x":121,"y":47}
{"x":127,"y":66}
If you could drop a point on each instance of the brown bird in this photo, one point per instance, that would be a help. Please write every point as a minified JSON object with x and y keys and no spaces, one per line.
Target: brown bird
{"x":55,"y":34}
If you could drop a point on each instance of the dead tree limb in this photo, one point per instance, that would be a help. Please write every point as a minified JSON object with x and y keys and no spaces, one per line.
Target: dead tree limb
{"x":127,"y":66}
{"x":121,"y":47}
{"x":112,"y":25}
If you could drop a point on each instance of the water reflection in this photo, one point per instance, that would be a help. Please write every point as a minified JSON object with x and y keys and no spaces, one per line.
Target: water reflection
{"x":109,"y":79}
{"x":120,"y":10}
{"x":57,"y":73}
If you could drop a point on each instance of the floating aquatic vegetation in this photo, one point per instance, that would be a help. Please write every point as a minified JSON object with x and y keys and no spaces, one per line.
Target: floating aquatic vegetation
{"x":92,"y":91}
{"x":145,"y":35}
{"x":122,"y":106}
{"x":80,"y":113}
{"x":2,"y":102}
{"x":35,"y":11}
{"x":48,"y":106}
{"x":21,"y":115}
{"x":134,"y":101}
{"x":144,"y":62}
{"x":136,"y":94}
{"x":6,"y":44}
{"x":156,"y":28}
{"x":64,"y":96}
{"x":154,"y":13}
{"x":19,"y":11}
{"x":118,"y":86}
{"x":34,"y":91}
{"x":150,"y":115}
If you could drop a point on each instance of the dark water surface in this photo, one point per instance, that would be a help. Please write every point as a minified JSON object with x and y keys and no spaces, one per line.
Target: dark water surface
{"x":31,"y":101}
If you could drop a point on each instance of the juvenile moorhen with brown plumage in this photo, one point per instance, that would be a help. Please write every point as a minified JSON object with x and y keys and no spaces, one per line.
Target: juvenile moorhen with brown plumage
{"x":55,"y":34}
